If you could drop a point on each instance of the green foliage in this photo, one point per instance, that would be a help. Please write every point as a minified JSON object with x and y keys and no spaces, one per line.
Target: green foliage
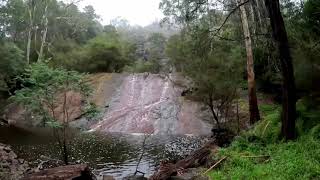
{"x":54,"y":124}
{"x":258,"y":154}
{"x":12,"y":63}
{"x":311,"y":12}
{"x":178,"y":50}
{"x":104,"y":53}
{"x":142,"y":66}
{"x":91,"y":111}
{"x":302,"y":21}
{"x":215,"y":68}
{"x":42,"y":86}
{"x":157,"y":43}
{"x":153,"y":57}
{"x":270,"y":127}
{"x":65,"y":21}
{"x":308,"y":117}
{"x":292,"y":160}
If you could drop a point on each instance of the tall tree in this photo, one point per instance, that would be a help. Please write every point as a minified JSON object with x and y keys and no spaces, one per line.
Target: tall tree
{"x":45,"y":31}
{"x":288,"y":84}
{"x":192,"y":12}
{"x":31,"y":11}
{"x":253,"y":102}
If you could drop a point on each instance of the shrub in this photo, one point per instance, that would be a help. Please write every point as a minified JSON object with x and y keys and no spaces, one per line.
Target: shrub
{"x":12,"y":63}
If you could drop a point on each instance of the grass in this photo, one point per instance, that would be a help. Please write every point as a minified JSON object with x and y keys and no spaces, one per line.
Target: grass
{"x":260,"y":154}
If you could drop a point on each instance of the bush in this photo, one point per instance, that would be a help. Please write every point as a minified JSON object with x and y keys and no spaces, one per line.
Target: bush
{"x":142,"y":66}
{"x":104,"y":53}
{"x":12,"y":63}
{"x":42,"y":87}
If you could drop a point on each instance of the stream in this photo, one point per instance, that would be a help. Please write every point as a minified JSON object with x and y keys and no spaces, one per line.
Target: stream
{"x":111,"y":154}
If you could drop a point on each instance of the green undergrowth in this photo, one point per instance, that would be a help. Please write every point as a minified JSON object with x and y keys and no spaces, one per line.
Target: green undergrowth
{"x":261,"y":154}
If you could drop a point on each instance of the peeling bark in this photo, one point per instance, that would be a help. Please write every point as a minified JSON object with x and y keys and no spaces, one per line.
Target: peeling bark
{"x":253,"y":102}
{"x":31,"y":10}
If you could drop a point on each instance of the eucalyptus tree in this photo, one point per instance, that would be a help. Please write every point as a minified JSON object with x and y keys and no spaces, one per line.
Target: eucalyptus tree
{"x":288,"y":85}
{"x":191,"y":13}
{"x":253,"y":102}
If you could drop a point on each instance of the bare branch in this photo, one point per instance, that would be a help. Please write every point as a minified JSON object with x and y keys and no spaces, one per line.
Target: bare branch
{"x":228,"y":16}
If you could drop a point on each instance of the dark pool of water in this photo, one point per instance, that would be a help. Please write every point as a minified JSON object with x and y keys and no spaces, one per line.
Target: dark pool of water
{"x":108,"y":154}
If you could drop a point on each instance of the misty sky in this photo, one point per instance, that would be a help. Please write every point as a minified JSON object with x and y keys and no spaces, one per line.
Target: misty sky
{"x":137,"y":12}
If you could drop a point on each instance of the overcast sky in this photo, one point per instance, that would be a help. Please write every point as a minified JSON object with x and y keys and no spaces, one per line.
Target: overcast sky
{"x":137,"y":12}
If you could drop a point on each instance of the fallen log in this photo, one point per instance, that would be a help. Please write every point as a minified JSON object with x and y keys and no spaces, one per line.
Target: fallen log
{"x":197,"y":158}
{"x":70,"y":172}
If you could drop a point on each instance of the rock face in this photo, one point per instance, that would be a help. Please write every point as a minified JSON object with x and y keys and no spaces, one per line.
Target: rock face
{"x":10,"y":166}
{"x":150,"y":103}
{"x":132,"y":103}
{"x":17,"y":115}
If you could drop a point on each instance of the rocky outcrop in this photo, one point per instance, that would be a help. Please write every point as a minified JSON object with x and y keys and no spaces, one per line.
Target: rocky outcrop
{"x":103,"y":85}
{"x":17,"y":115}
{"x":11,"y":167}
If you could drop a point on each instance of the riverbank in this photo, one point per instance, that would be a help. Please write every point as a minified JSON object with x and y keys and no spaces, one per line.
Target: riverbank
{"x":260,"y":154}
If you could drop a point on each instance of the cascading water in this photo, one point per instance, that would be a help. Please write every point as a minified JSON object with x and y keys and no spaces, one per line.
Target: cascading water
{"x":150,"y":104}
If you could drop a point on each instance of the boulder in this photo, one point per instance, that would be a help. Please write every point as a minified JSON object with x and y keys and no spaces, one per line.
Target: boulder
{"x":11,"y":166}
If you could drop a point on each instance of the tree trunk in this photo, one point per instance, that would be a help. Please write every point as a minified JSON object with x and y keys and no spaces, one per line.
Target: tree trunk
{"x":253,"y":104}
{"x":214,"y":115}
{"x":65,"y":123}
{"x":288,"y":84}
{"x":44,"y":35}
{"x":253,"y":20}
{"x":65,"y":150}
{"x":29,"y":34}
{"x":238,"y":118}
{"x":260,"y":10}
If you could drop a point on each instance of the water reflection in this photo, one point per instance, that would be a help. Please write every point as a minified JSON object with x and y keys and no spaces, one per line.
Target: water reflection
{"x":111,"y":154}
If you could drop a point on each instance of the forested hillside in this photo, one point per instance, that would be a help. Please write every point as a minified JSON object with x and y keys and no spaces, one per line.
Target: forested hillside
{"x":249,"y":70}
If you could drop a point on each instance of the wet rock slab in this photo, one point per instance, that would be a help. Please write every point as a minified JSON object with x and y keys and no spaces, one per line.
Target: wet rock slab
{"x":152,"y":104}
